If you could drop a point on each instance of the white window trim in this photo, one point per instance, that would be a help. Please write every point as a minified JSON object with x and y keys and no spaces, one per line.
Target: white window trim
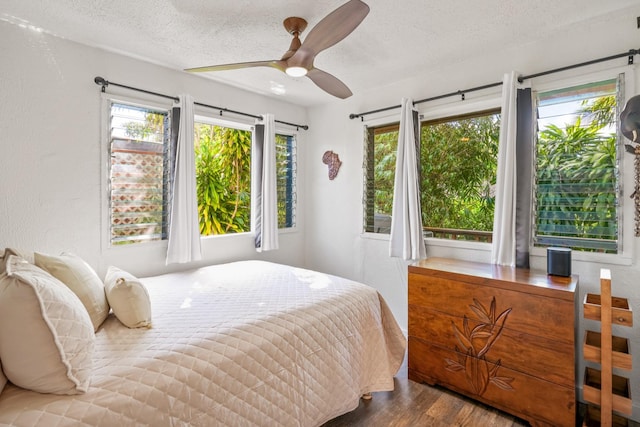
{"x":428,"y":113}
{"x":215,"y":121}
{"x":240,"y":125}
{"x":626,"y":227}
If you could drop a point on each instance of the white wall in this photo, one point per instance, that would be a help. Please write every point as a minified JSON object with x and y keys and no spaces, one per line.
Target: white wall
{"x":50,"y":154}
{"x":51,"y":151}
{"x":334,"y":241}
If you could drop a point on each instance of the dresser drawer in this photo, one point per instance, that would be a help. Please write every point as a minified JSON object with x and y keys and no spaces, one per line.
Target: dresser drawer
{"x":531,"y":314}
{"x":512,"y":391}
{"x":530,"y":354}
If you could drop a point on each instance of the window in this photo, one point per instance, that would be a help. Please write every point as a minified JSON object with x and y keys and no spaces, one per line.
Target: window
{"x":576,"y":188}
{"x":458,"y":161}
{"x":577,"y":157}
{"x":223,"y":178}
{"x":142,"y":152}
{"x":286,"y":159}
{"x":381,"y":146}
{"x":138,"y":174}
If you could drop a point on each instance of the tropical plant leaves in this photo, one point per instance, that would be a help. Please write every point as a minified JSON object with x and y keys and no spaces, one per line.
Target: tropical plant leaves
{"x":503,"y":382}
{"x":478,"y":371}
{"x":582,"y":158}
{"x":464,"y":341}
{"x":223,"y":174}
{"x":496,"y":331}
{"x":452,"y":365}
{"x":480,"y":311}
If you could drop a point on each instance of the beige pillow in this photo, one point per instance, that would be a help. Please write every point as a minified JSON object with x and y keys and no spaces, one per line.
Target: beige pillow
{"x":11,"y":251}
{"x":128,"y":298}
{"x":3,"y":379}
{"x":74,"y":272}
{"x":3,"y":255}
{"x":46,"y":335}
{"x":27,"y":256}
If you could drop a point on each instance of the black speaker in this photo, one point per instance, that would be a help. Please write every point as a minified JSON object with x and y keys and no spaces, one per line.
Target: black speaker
{"x":559,"y":261}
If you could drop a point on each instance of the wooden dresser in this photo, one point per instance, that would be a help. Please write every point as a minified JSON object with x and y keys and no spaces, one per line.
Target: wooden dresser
{"x":503,"y":336}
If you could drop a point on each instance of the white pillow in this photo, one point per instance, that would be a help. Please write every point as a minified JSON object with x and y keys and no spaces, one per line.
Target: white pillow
{"x":46,"y":335}
{"x":128,"y":298}
{"x":74,"y":272}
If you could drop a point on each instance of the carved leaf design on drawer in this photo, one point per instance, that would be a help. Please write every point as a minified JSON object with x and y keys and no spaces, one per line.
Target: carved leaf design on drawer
{"x":476,"y":343}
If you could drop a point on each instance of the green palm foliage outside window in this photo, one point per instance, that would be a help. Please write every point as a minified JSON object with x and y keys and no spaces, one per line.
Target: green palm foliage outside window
{"x":577,"y":168}
{"x":576,"y":190}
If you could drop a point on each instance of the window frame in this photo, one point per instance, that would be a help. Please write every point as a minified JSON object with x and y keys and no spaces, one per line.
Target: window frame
{"x":430,"y":112}
{"x":294,"y":191}
{"x":105,"y":137}
{"x":201,"y":116}
{"x":627,"y":209}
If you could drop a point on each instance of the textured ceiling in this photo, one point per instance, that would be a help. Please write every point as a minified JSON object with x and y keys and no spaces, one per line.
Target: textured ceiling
{"x":394,"y":39}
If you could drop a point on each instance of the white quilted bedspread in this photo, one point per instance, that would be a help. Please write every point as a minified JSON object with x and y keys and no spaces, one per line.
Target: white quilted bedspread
{"x":242,"y":344}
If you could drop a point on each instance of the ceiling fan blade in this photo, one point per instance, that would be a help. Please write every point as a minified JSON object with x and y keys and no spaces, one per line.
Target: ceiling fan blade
{"x":330,"y":30}
{"x":276,"y":63}
{"x":329,"y":83}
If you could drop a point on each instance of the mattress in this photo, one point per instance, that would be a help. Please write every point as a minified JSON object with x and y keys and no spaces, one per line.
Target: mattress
{"x":248,"y":343}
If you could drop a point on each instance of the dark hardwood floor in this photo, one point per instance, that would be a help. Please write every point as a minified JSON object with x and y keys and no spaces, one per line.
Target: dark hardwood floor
{"x":412,"y":404}
{"x":416,"y":405}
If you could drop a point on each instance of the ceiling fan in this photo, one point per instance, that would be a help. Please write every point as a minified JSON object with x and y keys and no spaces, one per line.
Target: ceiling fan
{"x":298,"y":60}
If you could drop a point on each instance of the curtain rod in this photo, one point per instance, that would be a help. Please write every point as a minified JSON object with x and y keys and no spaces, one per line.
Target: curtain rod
{"x":461,"y":93}
{"x":104,"y":83}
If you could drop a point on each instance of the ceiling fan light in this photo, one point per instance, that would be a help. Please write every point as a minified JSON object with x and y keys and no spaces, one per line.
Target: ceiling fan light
{"x":296,"y":71}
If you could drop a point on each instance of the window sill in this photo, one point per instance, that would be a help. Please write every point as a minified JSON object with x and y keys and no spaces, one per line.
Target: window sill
{"x":247,"y":234}
{"x":375,"y":236}
{"x":590,"y":257}
{"x":151,"y":245}
{"x":624,"y":259}
{"x":460,"y":244}
{"x":432,"y":241}
{"x":288,"y":230}
{"x":163,"y":243}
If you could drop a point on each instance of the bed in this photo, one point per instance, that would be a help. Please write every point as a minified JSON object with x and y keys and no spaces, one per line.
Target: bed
{"x":239,"y":344}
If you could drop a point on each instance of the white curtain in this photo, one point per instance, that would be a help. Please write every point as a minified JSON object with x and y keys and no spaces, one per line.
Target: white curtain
{"x":503,"y":249}
{"x":184,"y":231}
{"x":264,"y":197}
{"x":407,"y":241}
